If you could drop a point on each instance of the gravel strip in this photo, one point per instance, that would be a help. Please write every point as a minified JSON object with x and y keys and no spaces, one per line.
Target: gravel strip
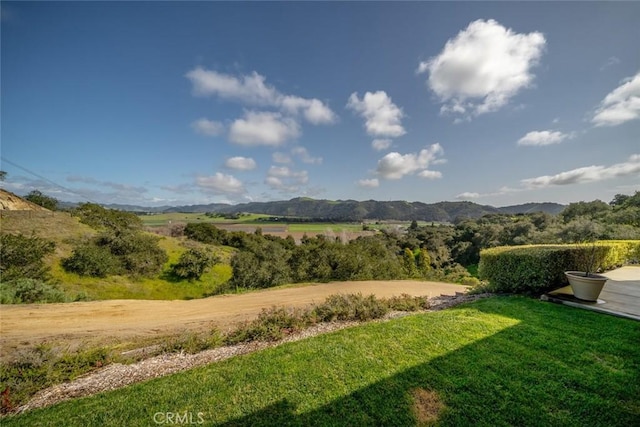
{"x":118,"y":375}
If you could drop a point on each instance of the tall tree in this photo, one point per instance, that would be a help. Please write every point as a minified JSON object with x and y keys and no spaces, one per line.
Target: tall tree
{"x":43,"y":200}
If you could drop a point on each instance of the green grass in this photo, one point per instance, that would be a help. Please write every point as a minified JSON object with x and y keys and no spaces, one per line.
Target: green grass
{"x":498,"y":361}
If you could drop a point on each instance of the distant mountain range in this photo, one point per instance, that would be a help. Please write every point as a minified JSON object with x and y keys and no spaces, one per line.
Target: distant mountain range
{"x":353,"y":210}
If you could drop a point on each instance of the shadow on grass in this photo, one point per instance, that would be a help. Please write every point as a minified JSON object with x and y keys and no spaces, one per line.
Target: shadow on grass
{"x":555,"y":367}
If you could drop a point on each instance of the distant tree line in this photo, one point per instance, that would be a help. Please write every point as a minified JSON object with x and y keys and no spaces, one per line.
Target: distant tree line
{"x":435,"y":251}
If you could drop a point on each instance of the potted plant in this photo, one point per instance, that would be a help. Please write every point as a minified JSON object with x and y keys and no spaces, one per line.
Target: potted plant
{"x":586,"y":285}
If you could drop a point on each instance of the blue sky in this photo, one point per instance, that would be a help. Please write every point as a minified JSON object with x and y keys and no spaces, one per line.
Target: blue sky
{"x":168,"y":103}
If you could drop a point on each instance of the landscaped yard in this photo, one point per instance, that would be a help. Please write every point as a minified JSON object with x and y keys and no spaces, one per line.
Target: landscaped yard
{"x":497,"y":361}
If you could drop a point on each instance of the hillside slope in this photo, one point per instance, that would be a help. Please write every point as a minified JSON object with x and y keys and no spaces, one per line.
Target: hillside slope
{"x":12,"y":202}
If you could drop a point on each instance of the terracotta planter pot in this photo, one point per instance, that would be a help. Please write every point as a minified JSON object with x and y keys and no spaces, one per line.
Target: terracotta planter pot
{"x":583,"y":287}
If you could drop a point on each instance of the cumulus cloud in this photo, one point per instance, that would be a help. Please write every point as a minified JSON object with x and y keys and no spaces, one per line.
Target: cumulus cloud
{"x":285,"y":179}
{"x":587,"y":174}
{"x":263,"y":128}
{"x":279,"y":157}
{"x":468,"y":195}
{"x":483,"y":67}
{"x":427,"y":174}
{"x":240,"y":163}
{"x":382,"y":117}
{"x":220,"y":184}
{"x":207,"y":127}
{"x":369,"y":183}
{"x":395,"y":165}
{"x":303,"y":154}
{"x":544,"y":137}
{"x":312,"y":109}
{"x":621,"y":105}
{"x":381,"y":144}
{"x":252,"y":89}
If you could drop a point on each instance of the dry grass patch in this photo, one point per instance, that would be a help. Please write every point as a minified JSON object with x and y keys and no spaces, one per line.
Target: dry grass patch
{"x":426,"y":406}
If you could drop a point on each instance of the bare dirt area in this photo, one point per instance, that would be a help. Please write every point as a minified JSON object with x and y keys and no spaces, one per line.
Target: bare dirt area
{"x":131,"y":321}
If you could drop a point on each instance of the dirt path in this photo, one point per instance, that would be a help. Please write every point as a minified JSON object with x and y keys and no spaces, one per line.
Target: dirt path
{"x":101,"y":322}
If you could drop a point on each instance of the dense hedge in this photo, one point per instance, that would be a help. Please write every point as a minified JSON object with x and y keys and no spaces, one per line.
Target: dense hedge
{"x":534,"y":269}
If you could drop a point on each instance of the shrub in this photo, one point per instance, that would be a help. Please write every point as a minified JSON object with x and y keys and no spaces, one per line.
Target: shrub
{"x":29,"y":291}
{"x":192,"y":264}
{"x":43,"y":200}
{"x":536,"y":269}
{"x":350,"y":307}
{"x":116,"y":252}
{"x":91,"y":260}
{"x":23,"y":257}
{"x":40,"y":367}
{"x":205,"y":233}
{"x":192,"y":342}
{"x":271,"y":325}
{"x":407,"y":302}
{"x":100,"y":218}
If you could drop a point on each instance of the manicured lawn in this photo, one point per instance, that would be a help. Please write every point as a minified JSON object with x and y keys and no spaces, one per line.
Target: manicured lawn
{"x":498,"y":361}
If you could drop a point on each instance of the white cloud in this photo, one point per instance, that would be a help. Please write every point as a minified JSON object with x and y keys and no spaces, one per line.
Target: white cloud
{"x":263,"y":128}
{"x":621,"y":105}
{"x":220,"y":184}
{"x":587,"y":174}
{"x":312,"y":109}
{"x":207,"y":127}
{"x":303,"y":154}
{"x":279,"y":157}
{"x":381,"y":144}
{"x":395,"y":165}
{"x":468,"y":195}
{"x":382,"y":116}
{"x":253,"y":90}
{"x":240,"y":163}
{"x":427,"y":174}
{"x":284,"y":179}
{"x":613,"y":60}
{"x":369,"y":183}
{"x":501,"y":192}
{"x":544,"y":137}
{"x":250,"y":89}
{"x":483,"y":67}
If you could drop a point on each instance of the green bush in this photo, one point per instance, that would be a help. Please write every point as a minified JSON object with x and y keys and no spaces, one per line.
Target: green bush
{"x":271,"y":325}
{"x":536,"y":269}
{"x":193,"y":263}
{"x":29,"y":291}
{"x":407,"y":302}
{"x":91,"y":260}
{"x":23,"y":257}
{"x":116,"y":252}
{"x":350,"y":307}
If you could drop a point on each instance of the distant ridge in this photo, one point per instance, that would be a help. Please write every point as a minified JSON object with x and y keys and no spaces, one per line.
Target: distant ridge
{"x":550,"y":208}
{"x":353,"y":210}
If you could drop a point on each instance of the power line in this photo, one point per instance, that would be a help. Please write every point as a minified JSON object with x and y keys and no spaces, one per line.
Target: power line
{"x":14,"y":164}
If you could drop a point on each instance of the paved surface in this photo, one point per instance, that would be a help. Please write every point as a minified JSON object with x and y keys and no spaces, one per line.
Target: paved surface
{"x":620,"y":295}
{"x":100,"y":322}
